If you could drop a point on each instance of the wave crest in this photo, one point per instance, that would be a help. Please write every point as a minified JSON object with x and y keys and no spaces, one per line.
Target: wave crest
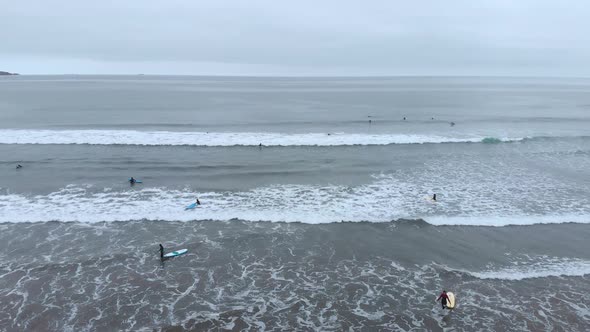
{"x":171,"y":138}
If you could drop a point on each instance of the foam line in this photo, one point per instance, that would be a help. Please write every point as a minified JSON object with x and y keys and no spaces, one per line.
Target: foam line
{"x":280,"y":203}
{"x":132,"y":137}
{"x":540,"y":267}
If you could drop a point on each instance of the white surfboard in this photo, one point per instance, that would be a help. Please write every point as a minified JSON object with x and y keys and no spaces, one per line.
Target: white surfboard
{"x":176,"y":253}
{"x":451,"y":301}
{"x":429,"y":199}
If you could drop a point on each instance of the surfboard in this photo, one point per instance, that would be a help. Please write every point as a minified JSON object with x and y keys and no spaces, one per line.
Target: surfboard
{"x":451,"y":301}
{"x":176,"y":253}
{"x":429,"y":199}
{"x":136,"y":180}
{"x":190,"y":207}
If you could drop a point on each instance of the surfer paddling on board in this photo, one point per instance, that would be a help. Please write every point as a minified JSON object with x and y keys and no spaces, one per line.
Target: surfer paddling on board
{"x":443,"y":298}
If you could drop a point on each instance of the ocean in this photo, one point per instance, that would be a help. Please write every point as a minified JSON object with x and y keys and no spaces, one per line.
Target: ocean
{"x":316,"y":212}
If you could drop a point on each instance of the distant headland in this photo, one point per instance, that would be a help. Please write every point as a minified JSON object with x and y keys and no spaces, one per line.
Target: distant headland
{"x":7,"y":73}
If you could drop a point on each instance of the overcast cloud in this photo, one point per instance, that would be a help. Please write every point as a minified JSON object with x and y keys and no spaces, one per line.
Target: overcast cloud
{"x":266,"y":37}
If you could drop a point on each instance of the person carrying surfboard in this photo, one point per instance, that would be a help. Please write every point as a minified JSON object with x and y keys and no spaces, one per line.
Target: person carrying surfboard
{"x":443,"y":297}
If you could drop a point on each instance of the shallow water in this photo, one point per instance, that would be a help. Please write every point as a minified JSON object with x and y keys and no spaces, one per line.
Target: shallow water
{"x":267,"y":248}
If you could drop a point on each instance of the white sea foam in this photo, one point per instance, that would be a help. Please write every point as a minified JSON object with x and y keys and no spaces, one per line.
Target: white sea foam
{"x":537,"y":267}
{"x":523,"y":219}
{"x":132,"y":137}
{"x":377,"y":202}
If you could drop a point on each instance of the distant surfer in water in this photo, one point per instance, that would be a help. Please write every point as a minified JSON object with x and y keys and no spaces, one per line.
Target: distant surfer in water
{"x":132,"y":180}
{"x":161,"y":251}
{"x":198,"y":202}
{"x":443,"y":297}
{"x":452,"y":124}
{"x":19,"y":166}
{"x":434,"y":197}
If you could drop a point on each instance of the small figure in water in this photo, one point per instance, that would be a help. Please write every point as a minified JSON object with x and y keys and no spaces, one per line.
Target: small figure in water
{"x":19,"y":166}
{"x":404,"y":118}
{"x":132,"y":180}
{"x":434,"y":197}
{"x":161,"y":251}
{"x":452,"y":124}
{"x":198,"y":202}
{"x":443,"y":299}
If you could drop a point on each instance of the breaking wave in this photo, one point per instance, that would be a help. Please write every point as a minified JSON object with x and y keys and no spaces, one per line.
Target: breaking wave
{"x":378,"y":202}
{"x":537,"y":267}
{"x":171,"y":138}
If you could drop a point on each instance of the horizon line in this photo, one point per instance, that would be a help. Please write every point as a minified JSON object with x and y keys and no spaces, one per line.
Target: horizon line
{"x":309,"y":76}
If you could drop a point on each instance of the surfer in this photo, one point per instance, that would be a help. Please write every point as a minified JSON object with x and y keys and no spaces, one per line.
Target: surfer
{"x":404,"y":118}
{"x":452,"y":124}
{"x":132,"y":180}
{"x":161,"y":251}
{"x":198,"y":202}
{"x":19,"y":166}
{"x":434,"y":197}
{"x":443,"y":299}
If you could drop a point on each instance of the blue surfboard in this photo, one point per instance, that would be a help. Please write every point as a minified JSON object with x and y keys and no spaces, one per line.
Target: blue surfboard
{"x":136,"y":180}
{"x":192,"y":206}
{"x":176,"y":253}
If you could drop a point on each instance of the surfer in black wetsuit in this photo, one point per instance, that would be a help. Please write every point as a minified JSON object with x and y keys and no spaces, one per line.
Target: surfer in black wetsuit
{"x":443,"y":299}
{"x":198,"y":202}
{"x":434,"y":197}
{"x":161,"y":251}
{"x":132,"y":180}
{"x":19,"y":166}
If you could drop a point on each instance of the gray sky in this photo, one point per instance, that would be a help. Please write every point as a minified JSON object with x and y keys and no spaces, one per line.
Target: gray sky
{"x":274,"y":37}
